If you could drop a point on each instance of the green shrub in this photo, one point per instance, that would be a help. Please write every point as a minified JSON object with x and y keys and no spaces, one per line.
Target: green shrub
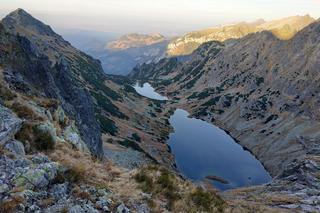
{"x":212,"y":101}
{"x":145,"y":181}
{"x":90,"y":72}
{"x":44,"y":141}
{"x":38,"y":139}
{"x":136,"y":137}
{"x":127,"y":143}
{"x":107,"y":125}
{"x":5,"y":93}
{"x":166,"y":183}
{"x":129,"y":88}
{"x":165,"y":180}
{"x":206,"y":201}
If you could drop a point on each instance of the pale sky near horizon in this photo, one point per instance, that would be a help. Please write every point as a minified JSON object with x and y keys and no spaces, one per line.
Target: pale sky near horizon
{"x":164,"y":16}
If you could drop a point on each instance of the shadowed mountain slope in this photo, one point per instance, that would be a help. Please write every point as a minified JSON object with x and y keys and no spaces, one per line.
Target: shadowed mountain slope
{"x":38,"y":62}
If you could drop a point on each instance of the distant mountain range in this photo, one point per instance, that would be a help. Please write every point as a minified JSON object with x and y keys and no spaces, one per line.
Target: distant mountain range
{"x":135,"y":40}
{"x":284,"y":28}
{"x":121,"y":55}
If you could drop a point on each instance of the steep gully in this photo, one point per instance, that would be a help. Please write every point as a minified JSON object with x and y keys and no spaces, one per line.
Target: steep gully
{"x":204,"y":152}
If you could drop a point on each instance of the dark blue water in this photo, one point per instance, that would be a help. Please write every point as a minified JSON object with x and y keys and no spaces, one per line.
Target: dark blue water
{"x":202,"y":149}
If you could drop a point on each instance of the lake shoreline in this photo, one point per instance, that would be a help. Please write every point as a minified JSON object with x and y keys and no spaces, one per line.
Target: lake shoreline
{"x":221,"y":179}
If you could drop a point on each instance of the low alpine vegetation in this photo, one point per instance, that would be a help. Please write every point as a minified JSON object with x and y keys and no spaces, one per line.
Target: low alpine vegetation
{"x":180,"y":195}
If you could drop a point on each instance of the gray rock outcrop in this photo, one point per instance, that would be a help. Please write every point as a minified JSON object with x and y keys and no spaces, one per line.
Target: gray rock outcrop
{"x":46,"y":69}
{"x":9,"y":124}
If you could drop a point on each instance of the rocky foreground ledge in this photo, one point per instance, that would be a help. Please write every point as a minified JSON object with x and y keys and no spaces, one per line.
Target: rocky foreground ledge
{"x":65,"y":178}
{"x":36,"y":183}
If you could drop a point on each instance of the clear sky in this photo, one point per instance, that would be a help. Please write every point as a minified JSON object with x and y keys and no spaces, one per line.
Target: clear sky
{"x":164,"y":16}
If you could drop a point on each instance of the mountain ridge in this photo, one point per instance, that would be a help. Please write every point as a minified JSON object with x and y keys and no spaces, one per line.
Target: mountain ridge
{"x":283,"y":28}
{"x":133,"y":40}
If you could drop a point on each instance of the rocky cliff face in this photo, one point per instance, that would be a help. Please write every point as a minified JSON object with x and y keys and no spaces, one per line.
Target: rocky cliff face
{"x":283,"y":29}
{"x":58,"y":74}
{"x":56,"y":100}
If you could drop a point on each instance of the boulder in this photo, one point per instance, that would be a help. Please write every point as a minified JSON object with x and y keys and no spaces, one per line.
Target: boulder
{"x":82,"y":209}
{"x":59,"y":191}
{"x":72,"y":135}
{"x":38,"y":177}
{"x":4,"y":188}
{"x":47,"y":127}
{"x":16,"y":147}
{"x":38,"y":159}
{"x":122,"y":209}
{"x":10,"y":124}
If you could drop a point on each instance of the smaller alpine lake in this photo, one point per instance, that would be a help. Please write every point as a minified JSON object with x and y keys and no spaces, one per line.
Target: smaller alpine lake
{"x":204,"y":152}
{"x":148,"y":91}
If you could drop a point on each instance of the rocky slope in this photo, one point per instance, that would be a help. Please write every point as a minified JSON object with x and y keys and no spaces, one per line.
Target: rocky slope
{"x":264,"y":92}
{"x":65,"y":179}
{"x":283,"y":29}
{"x":38,"y":62}
{"x":24,"y":40}
{"x":56,"y":108}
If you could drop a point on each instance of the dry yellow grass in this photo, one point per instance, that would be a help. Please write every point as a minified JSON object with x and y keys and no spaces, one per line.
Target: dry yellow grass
{"x":179,"y":195}
{"x":82,"y":167}
{"x":11,"y":204}
{"x":46,"y":202}
{"x":24,"y":111}
{"x":240,"y":206}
